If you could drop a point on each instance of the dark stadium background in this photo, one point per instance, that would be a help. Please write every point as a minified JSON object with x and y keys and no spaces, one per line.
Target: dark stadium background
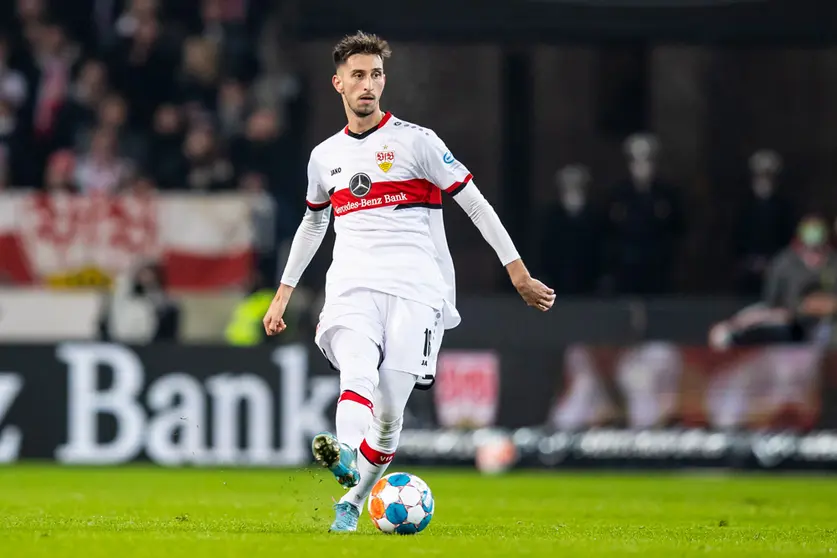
{"x":220,"y":101}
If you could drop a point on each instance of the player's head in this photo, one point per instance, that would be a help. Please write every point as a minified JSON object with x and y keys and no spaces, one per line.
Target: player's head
{"x":359,"y":71}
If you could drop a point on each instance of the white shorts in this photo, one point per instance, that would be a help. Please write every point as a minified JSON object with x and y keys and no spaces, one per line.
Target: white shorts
{"x":407,"y":333}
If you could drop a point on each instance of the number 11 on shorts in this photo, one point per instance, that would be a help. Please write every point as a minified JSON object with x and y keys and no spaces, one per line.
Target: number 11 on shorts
{"x":428,"y":335}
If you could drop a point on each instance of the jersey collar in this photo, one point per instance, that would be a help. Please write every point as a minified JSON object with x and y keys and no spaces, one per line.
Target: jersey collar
{"x":367,"y":133}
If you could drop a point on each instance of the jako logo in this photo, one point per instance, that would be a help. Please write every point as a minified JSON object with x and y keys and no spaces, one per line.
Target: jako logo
{"x":448,"y":158}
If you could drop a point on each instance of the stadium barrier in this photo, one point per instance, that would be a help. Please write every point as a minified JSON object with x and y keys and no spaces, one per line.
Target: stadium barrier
{"x":646,"y":405}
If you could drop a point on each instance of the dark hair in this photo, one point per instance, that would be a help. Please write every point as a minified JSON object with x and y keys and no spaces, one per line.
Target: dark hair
{"x":359,"y":43}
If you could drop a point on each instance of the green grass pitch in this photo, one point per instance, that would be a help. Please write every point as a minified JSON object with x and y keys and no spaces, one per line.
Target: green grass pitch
{"x":152,"y":512}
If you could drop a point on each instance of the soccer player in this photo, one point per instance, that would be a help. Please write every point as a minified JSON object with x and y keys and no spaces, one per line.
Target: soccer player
{"x":390,"y":290}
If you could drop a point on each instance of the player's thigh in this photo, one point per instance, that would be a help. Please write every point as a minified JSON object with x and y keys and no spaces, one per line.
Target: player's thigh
{"x":357,"y":358}
{"x":357,"y":311}
{"x":393,"y":393}
{"x":412,"y":337}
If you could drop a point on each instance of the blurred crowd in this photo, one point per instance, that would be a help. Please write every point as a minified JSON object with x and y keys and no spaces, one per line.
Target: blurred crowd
{"x":137,"y":95}
{"x":627,"y":243}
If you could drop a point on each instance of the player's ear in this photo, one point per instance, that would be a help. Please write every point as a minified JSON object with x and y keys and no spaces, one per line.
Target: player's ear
{"x":337,"y":82}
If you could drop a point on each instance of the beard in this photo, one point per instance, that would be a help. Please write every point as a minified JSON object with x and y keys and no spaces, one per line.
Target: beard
{"x":363,"y":110}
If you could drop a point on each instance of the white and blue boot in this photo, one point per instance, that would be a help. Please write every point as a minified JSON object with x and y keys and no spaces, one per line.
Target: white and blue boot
{"x":345,"y":518}
{"x":338,"y":458}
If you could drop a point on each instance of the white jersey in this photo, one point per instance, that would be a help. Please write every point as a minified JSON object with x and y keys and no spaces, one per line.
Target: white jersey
{"x":385,"y":190}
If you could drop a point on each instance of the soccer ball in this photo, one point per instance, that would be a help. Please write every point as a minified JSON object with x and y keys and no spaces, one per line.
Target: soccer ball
{"x":401,"y":503}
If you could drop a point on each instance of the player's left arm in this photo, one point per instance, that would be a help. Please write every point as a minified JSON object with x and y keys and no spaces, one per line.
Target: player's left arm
{"x":443,"y":170}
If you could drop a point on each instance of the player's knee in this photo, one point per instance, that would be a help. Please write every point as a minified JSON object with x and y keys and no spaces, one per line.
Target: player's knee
{"x":362,"y":385}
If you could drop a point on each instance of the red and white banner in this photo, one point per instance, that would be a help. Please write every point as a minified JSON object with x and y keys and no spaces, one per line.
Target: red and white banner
{"x":467,"y":391}
{"x":203,"y":242}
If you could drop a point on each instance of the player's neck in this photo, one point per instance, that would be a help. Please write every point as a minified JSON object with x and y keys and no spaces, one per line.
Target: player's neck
{"x":361,"y":124}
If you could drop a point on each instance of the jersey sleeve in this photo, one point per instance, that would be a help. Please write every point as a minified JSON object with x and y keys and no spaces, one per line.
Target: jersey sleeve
{"x":440,"y":166}
{"x":316,"y":198}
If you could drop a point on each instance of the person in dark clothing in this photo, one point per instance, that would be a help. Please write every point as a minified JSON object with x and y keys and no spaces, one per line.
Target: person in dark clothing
{"x":166,"y":161}
{"x":765,"y":224}
{"x":645,"y":219}
{"x":799,"y":299}
{"x":571,"y":236}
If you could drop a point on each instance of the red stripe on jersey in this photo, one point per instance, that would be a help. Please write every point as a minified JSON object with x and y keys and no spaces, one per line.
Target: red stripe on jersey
{"x":317,"y":206}
{"x":454,"y":188}
{"x":413,"y":192}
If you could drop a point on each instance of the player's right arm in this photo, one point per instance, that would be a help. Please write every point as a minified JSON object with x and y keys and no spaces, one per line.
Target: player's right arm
{"x":307,"y":240}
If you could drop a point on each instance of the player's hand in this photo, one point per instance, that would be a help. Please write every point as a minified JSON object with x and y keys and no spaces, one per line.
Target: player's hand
{"x":273,"y":322}
{"x":535,"y":293}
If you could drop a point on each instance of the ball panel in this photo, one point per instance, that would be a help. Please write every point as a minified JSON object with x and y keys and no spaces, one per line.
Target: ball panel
{"x":406,"y":529}
{"x":389,"y":494}
{"x":398,"y":479}
{"x":380,"y":485}
{"x":396,"y":513}
{"x":427,"y":502}
{"x":376,"y":507}
{"x":415,"y":514}
{"x":410,"y":496}
{"x":385,"y":526}
{"x":425,"y":522}
{"x":419,"y":484}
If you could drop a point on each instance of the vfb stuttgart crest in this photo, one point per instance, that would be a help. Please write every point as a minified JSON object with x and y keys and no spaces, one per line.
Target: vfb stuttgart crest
{"x":385,"y":158}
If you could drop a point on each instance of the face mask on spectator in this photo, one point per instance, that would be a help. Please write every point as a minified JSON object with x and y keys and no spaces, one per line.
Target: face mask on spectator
{"x":812,"y":235}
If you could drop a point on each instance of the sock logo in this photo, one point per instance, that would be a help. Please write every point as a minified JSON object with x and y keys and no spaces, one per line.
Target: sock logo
{"x":373,"y":456}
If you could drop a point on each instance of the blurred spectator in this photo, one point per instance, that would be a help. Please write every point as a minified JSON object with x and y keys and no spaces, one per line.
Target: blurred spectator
{"x":54,"y":57}
{"x":800,"y":294}
{"x":60,"y":172}
{"x":143,"y":68}
{"x":140,"y":311}
{"x":12,"y":161}
{"x":207,"y":169}
{"x":259,"y":149}
{"x":112,"y":115}
{"x":233,"y":106}
{"x":645,"y":221}
{"x":80,"y":108}
{"x":137,"y":12}
{"x":13,"y":87}
{"x":765,"y":223}
{"x":101,"y":170}
{"x":572,"y":236}
{"x":223,"y":25}
{"x":264,"y":213}
{"x":166,"y":159}
{"x":199,"y":80}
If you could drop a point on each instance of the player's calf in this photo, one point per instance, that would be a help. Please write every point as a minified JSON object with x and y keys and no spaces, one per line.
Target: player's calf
{"x":338,"y":458}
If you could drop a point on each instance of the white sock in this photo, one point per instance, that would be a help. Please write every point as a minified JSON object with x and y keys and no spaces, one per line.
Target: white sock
{"x":378,"y":447}
{"x":375,"y":454}
{"x":354,"y":414}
